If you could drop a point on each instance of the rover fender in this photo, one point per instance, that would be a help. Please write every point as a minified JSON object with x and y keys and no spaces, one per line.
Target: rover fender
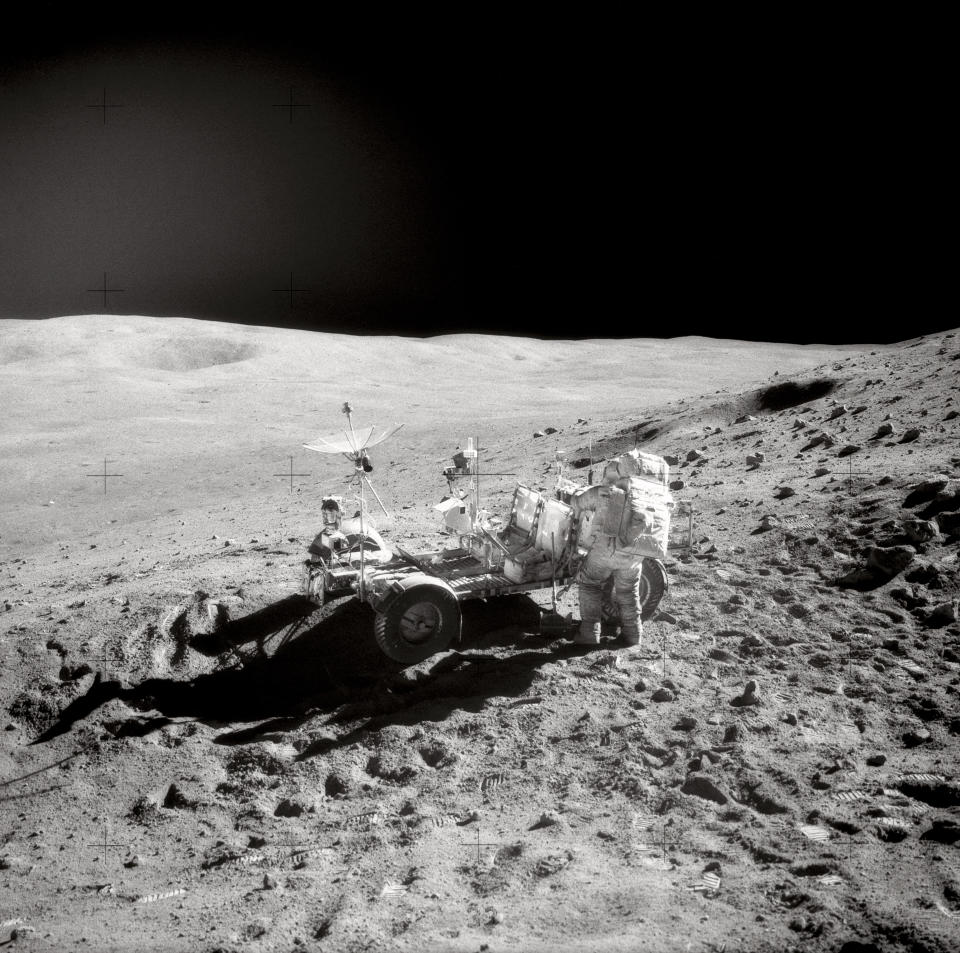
{"x":381,"y":599}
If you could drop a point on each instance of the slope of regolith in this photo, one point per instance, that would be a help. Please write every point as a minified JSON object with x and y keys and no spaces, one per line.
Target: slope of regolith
{"x":774,"y":770}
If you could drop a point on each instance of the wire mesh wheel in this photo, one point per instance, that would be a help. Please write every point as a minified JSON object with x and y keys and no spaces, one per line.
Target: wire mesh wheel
{"x":419,"y":624}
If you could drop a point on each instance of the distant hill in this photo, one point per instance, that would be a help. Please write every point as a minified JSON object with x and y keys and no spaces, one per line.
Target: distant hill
{"x":227,"y":404}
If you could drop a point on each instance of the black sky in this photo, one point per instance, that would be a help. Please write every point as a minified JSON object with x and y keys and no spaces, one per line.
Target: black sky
{"x":549,"y":177}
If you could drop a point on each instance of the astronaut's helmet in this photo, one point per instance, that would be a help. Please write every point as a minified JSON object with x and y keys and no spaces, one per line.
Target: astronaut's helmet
{"x":611,"y":472}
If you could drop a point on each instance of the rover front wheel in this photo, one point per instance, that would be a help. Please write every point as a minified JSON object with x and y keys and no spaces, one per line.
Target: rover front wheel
{"x":419,"y":624}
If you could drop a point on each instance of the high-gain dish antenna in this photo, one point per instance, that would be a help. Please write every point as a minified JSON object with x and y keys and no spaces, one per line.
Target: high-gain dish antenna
{"x":354,"y":444}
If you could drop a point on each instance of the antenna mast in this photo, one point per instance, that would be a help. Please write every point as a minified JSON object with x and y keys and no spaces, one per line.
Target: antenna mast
{"x":354,"y":447}
{"x":358,"y":468}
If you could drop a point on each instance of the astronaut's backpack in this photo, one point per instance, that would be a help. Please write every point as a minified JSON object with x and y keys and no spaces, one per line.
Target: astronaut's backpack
{"x":647,"y":466}
{"x":637,"y":514}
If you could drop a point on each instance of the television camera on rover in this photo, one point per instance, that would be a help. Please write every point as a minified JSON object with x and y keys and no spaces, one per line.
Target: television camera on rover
{"x":416,"y":597}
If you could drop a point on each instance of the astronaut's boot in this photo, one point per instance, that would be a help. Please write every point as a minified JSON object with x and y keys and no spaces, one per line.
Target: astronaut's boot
{"x":589,"y":634}
{"x":631,"y":635}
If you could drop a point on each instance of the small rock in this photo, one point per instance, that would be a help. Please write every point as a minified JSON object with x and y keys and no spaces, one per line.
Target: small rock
{"x":925,"y":491}
{"x":884,"y":430}
{"x":269,"y":882}
{"x":943,"y":614}
{"x":943,"y":831}
{"x":749,"y":696}
{"x":784,"y":492}
{"x":847,"y":450}
{"x":890,"y":560}
{"x":538,"y":433}
{"x":134,"y":861}
{"x":877,"y":760}
{"x":701,"y":786}
{"x":175,"y":799}
{"x":790,"y":718}
{"x":944,"y":501}
{"x":838,"y":412}
{"x":910,"y":435}
{"x":289,"y":807}
{"x":549,"y":430}
{"x":731,"y":734}
{"x":821,"y":471}
{"x":671,"y":461}
{"x":676,"y":484}
{"x":608,"y":660}
{"x":686,"y":723}
{"x":662,"y":695}
{"x":948,"y":522}
{"x":921,"y":531}
{"x":912,"y":739}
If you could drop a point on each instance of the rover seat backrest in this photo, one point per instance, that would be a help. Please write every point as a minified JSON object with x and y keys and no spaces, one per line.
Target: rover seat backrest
{"x":554,"y":527}
{"x":524,"y":515}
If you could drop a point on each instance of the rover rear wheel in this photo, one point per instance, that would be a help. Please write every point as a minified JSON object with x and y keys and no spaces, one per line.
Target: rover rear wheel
{"x":419,"y":624}
{"x":653,"y":587}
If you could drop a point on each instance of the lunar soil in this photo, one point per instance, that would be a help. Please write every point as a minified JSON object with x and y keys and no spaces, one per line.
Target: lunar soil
{"x":193,"y":758}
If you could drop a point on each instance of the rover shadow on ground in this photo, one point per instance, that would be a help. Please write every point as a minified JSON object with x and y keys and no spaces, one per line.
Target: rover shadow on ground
{"x":286,"y":665}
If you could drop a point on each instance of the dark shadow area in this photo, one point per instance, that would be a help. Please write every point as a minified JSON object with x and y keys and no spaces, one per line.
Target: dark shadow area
{"x":258,"y":627}
{"x":457,"y":682}
{"x":31,"y":774}
{"x":332,"y":666}
{"x":793,"y":393}
{"x":864,"y":579}
{"x":23,"y":795}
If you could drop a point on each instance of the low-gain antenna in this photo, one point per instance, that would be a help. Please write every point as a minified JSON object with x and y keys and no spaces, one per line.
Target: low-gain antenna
{"x":354,"y":446}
